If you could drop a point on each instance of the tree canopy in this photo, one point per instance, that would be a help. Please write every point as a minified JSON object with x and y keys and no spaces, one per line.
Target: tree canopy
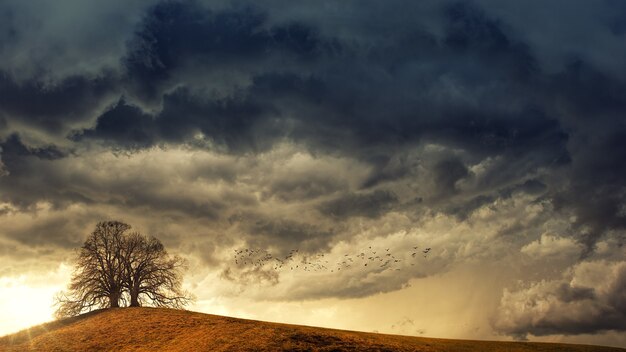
{"x":115,"y":268}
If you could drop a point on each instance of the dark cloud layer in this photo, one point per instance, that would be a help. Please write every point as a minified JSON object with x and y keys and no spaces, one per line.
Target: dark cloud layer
{"x":417,"y":109}
{"x":174,"y":35}
{"x":369,"y":205}
{"x":50,"y":106}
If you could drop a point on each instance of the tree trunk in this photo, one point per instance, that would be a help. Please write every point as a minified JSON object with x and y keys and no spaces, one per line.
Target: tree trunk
{"x":114,"y":300}
{"x":134,"y":297}
{"x":134,"y":301}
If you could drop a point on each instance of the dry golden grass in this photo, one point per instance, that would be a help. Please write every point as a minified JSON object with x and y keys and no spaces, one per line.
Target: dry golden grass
{"x":151,"y":329}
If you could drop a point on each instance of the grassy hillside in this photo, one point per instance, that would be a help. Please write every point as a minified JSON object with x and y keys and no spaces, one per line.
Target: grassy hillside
{"x":151,"y":329}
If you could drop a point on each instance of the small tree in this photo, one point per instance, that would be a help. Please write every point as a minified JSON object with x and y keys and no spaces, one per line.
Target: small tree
{"x":113,"y":266}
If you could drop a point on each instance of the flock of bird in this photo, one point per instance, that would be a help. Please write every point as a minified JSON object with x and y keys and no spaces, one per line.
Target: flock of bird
{"x":383,"y":259}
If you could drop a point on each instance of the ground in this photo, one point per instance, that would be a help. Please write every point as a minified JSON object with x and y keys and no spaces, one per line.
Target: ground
{"x":157,"y":329}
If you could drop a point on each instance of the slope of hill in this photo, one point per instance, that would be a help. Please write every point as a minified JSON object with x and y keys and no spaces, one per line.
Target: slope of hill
{"x":152,"y":329}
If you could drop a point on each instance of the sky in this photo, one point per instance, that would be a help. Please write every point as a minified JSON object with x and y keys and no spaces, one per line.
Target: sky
{"x":492,"y":132}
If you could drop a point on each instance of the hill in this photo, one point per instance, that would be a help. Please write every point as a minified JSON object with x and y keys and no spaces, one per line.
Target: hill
{"x":152,"y":329}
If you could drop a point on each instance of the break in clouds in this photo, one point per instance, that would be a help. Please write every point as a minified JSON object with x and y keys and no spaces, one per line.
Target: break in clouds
{"x":477,"y":128}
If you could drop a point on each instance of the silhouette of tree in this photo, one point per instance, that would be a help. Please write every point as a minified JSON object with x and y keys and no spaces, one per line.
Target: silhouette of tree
{"x":115,"y":268}
{"x":97,"y":279}
{"x":150,"y":274}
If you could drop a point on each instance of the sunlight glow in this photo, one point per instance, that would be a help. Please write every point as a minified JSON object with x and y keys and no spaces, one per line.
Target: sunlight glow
{"x":25,"y":303}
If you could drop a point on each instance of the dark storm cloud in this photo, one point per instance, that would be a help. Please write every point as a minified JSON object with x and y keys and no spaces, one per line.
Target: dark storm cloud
{"x":15,"y":156}
{"x":448,"y":173}
{"x":3,"y":123}
{"x":304,"y":187}
{"x":51,"y":105}
{"x":13,"y":150}
{"x":8,"y":30}
{"x":472,"y":84}
{"x":263,"y":231}
{"x":55,"y":232}
{"x":232,"y":122}
{"x":252,"y":276}
{"x":468,"y":29}
{"x":24,"y":183}
{"x":341,"y":92}
{"x":389,"y":169}
{"x":596,"y":189}
{"x":125,"y":125}
{"x":371,"y":205}
{"x":340,"y":89}
{"x":465,"y":208}
{"x":174,"y":34}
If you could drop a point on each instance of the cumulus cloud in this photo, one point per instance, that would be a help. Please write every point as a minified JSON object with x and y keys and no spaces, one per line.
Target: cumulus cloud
{"x":589,"y":299}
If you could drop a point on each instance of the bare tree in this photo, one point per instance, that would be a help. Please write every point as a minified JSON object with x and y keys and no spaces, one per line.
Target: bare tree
{"x":114,"y":266}
{"x":97,"y":278}
{"x":151,"y":275}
